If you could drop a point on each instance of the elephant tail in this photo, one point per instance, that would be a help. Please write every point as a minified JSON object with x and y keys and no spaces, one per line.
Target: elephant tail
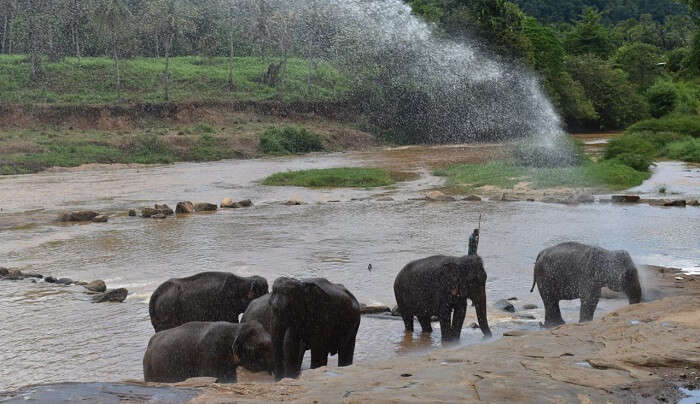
{"x":534,"y":277}
{"x":533,"y":286}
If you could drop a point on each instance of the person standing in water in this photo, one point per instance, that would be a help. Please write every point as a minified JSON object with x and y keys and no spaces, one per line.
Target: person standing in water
{"x":474,"y":242}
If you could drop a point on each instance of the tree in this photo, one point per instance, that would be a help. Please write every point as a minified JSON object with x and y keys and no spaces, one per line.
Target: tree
{"x":589,"y":36}
{"x":641,"y":62}
{"x":662,"y":97}
{"x":9,"y":9}
{"x":112,"y":17}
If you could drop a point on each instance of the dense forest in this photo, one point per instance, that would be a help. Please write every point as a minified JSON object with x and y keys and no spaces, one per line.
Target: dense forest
{"x":604,"y":64}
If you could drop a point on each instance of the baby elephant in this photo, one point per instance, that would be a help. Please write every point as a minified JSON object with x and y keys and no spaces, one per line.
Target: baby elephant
{"x":201,"y":349}
{"x":571,"y":271}
{"x":207,"y":296}
{"x":439,"y":285}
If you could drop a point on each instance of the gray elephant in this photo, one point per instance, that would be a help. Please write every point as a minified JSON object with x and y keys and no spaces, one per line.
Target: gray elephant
{"x":438,"y":286}
{"x":571,"y":271}
{"x":207,"y":349}
{"x":207,"y":296}
{"x":313,"y":313}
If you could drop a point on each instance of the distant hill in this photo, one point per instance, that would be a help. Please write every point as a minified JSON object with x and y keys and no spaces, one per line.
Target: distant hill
{"x":614,"y":10}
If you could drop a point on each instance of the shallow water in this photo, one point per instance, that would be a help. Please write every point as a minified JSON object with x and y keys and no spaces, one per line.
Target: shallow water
{"x":53,"y":333}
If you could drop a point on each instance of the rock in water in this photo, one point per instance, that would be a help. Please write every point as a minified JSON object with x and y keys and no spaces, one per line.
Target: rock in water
{"x":625,"y":198}
{"x":50,"y":279}
{"x":184,"y":207}
{"x":65,"y":281}
{"x":100,"y":219}
{"x":472,"y":198}
{"x":164,"y":209}
{"x":96,"y":286}
{"x":32,"y":275}
{"x":4,"y":271}
{"x":114,"y":295}
{"x":246,"y":203}
{"x":365,"y":309}
{"x":679,"y":203}
{"x":132,"y":212}
{"x":293,"y":201}
{"x":529,"y":306}
{"x":585,"y":198}
{"x":438,"y":196}
{"x":13,"y":275}
{"x":229,"y":203}
{"x":148,"y":212}
{"x":78,"y":216}
{"x":205,"y":207}
{"x":504,"y":305}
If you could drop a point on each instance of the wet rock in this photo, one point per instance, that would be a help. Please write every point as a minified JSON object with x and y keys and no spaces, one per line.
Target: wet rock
{"x":678,"y":203}
{"x":205,"y":207}
{"x":14,"y":275}
{"x":512,"y":298}
{"x":504,"y":305}
{"x":229,"y":203}
{"x":50,"y":279}
{"x":472,"y":198}
{"x":474,"y":325}
{"x":438,"y":196}
{"x":395,"y":311}
{"x":159,"y":216}
{"x":132,"y":212}
{"x":4,"y":271}
{"x":246,"y":203}
{"x":365,"y":309}
{"x":114,"y":295}
{"x":585,"y":197}
{"x":693,"y":202}
{"x":164,"y":209}
{"x":78,"y":216}
{"x":184,"y":207}
{"x":100,"y":219}
{"x":148,"y":212}
{"x":32,"y":275}
{"x":64,"y":281}
{"x":293,"y":201}
{"x":625,"y":198}
{"x":32,"y":280}
{"x":529,"y":306}
{"x":96,"y":286}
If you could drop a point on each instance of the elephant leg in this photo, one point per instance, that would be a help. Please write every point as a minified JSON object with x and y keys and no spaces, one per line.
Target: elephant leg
{"x":552,"y":314}
{"x":425,"y":324}
{"x":458,"y":319}
{"x":228,"y":377}
{"x":347,"y":350}
{"x":588,"y":306}
{"x":445,"y":317}
{"x":293,"y":354}
{"x":408,"y":321}
{"x":319,"y":356}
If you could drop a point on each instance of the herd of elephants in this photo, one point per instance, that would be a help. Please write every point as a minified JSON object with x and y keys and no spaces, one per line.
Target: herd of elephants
{"x":198,"y":333}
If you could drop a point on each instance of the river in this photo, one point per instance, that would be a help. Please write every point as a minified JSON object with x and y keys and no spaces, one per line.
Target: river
{"x":54,"y":333}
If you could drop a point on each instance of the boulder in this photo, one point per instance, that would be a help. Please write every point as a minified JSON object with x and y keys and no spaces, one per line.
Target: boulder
{"x":512,"y":298}
{"x":148,"y":212}
{"x":50,"y":279}
{"x":14,"y":275}
{"x":184,"y":207}
{"x":625,"y":198}
{"x":78,"y":216}
{"x":293,"y":201}
{"x":474,"y":325}
{"x":4,"y":271}
{"x":693,"y":202}
{"x":113,"y":295}
{"x":164,"y":209}
{"x":246,"y":203}
{"x":365,"y":309}
{"x":132,"y":212}
{"x":229,"y":203}
{"x":438,"y":196}
{"x":472,"y":198}
{"x":96,"y":286}
{"x":529,"y":306}
{"x":32,"y":275}
{"x":205,"y":207}
{"x":159,"y":216}
{"x":65,"y":281}
{"x":678,"y":202}
{"x":100,"y":219}
{"x":504,"y":305}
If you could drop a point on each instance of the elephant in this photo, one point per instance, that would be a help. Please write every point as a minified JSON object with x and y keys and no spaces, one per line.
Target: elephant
{"x":207,"y":349}
{"x":207,"y":296}
{"x":571,"y":271}
{"x":313,"y":313}
{"x":439,"y":285}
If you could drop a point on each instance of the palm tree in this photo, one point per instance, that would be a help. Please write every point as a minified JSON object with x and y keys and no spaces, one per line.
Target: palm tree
{"x":112,"y":17}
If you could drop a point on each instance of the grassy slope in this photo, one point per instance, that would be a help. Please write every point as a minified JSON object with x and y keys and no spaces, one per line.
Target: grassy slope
{"x":92,"y":81}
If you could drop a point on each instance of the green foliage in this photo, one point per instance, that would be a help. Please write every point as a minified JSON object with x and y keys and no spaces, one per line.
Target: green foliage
{"x":358,"y":177}
{"x":613,"y":10}
{"x":289,"y":140}
{"x":662,"y":98}
{"x":589,"y":36}
{"x":616,"y":101}
{"x":503,"y":174}
{"x":688,"y":150}
{"x":148,"y":149}
{"x":564,"y":152}
{"x":640,"y":62}
{"x":616,"y":175}
{"x":210,"y":148}
{"x":685,"y":125}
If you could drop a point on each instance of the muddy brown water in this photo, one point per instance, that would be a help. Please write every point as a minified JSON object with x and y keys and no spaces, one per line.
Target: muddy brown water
{"x":54,"y":333}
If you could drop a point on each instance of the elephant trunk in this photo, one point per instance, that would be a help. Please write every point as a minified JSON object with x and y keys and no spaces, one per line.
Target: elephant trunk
{"x":480,"y":305}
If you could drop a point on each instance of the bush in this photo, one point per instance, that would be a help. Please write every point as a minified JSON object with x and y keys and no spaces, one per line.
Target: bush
{"x":616,"y":175}
{"x":209,"y":148}
{"x":686,"y":125}
{"x":289,"y":140}
{"x":629,"y":144}
{"x":662,"y":98}
{"x":688,"y":150}
{"x":639,"y":162}
{"x":148,"y":149}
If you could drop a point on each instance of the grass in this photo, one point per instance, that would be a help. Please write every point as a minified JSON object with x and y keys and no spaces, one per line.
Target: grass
{"x":356,"y":177}
{"x":92,"y":81}
{"x":289,"y":140}
{"x":687,"y":150}
{"x":505,"y":174}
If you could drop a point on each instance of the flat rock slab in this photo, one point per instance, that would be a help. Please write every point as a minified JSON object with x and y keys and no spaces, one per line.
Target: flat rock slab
{"x":106,"y":393}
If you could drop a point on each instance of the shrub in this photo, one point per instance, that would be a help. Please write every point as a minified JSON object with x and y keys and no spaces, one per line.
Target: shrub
{"x":687,"y":125}
{"x":629,"y":144}
{"x":209,"y":148}
{"x":639,"y":162}
{"x":289,"y":140}
{"x":148,"y":149}
{"x":688,"y":150}
{"x":616,"y":175}
{"x":662,"y":98}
